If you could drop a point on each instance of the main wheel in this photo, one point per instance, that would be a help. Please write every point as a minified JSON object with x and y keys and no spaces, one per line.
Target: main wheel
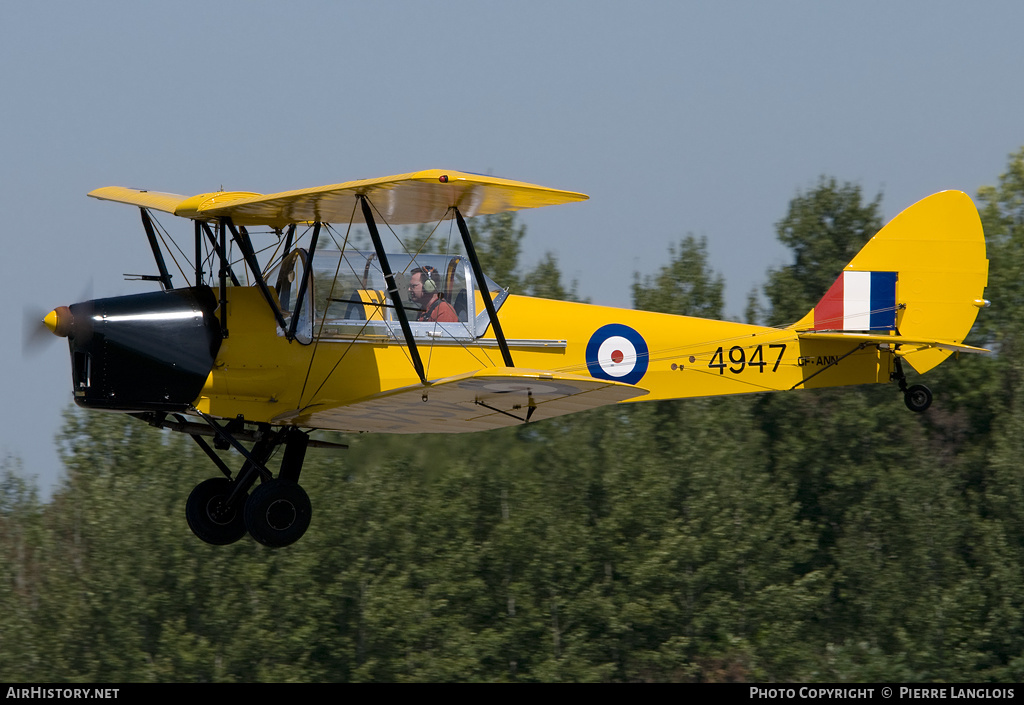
{"x":277,"y":513}
{"x":209,"y":517}
{"x":918,"y":398}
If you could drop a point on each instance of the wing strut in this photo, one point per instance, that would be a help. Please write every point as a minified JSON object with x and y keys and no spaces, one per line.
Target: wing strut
{"x":288,"y":241}
{"x":478,"y":274}
{"x":147,"y":223}
{"x":245,"y":245}
{"x":199,"y":253}
{"x":221,"y":252}
{"x":389,"y":281}
{"x":305,"y":278}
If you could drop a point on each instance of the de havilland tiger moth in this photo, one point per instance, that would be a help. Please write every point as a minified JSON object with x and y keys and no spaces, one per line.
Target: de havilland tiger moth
{"x":323,"y":335}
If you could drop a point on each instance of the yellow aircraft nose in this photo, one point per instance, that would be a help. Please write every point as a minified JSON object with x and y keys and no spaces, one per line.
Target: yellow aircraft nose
{"x":59,"y":321}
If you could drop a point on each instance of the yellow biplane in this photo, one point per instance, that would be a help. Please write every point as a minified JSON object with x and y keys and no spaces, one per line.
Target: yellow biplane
{"x":324,"y":335}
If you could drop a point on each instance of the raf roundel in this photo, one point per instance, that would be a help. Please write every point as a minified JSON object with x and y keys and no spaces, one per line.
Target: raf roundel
{"x":617,"y":353}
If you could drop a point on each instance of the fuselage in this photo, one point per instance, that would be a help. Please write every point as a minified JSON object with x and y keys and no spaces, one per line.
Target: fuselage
{"x":260,"y":374}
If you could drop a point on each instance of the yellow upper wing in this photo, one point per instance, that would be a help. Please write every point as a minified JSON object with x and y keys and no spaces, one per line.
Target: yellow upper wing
{"x":156,"y":200}
{"x":418,"y":197}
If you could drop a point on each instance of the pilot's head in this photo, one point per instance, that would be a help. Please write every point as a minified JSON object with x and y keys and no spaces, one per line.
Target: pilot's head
{"x":424,"y":283}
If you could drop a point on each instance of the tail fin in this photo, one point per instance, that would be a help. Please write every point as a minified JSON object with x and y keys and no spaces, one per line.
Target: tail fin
{"x":922,"y":276}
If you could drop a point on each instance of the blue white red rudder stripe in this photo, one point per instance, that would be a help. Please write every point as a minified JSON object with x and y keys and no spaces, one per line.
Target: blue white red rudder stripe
{"x":858,"y":301}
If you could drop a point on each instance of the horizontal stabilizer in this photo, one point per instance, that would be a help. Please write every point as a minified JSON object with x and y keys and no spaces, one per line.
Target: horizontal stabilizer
{"x":906,"y":345}
{"x":478,"y":401}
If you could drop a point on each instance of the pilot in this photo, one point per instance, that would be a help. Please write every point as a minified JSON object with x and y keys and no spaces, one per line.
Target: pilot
{"x":425,"y":290}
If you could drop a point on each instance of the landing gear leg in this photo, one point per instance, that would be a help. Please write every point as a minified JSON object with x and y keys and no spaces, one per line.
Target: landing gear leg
{"x":214,"y":510}
{"x":276,"y":513}
{"x":917,"y":397}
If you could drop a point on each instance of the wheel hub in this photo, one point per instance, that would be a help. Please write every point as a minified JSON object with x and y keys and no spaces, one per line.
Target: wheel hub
{"x":281,"y":514}
{"x":219,"y":512}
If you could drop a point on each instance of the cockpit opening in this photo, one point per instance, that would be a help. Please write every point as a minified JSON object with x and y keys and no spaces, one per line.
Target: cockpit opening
{"x":346,"y":297}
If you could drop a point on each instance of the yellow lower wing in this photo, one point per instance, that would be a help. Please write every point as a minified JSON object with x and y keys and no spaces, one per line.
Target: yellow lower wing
{"x":477,"y":401}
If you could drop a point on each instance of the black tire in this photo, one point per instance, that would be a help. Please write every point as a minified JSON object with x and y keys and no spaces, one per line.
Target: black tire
{"x":207,"y":516}
{"x":918,"y":398}
{"x":277,"y":513}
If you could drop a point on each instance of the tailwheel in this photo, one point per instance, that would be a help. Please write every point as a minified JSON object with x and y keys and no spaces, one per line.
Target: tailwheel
{"x":209,"y":515}
{"x":918,"y":398}
{"x":277,"y":513}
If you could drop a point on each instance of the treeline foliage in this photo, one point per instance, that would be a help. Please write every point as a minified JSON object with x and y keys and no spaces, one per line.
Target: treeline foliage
{"x":814,"y":536}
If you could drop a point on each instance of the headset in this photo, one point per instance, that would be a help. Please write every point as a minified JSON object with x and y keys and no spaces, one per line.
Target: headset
{"x":429,"y":276}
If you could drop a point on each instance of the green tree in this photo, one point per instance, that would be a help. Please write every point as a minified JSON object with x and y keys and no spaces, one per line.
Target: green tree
{"x":438,"y":239}
{"x":23,"y":544}
{"x":711,"y":547}
{"x":686,"y":286}
{"x":545,"y":281}
{"x":498,"y":242}
{"x":1002,"y":213}
{"x":890,"y":496}
{"x":824,"y":228}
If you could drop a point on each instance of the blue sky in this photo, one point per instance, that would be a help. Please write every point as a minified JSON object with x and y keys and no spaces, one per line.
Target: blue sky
{"x":675,"y":117}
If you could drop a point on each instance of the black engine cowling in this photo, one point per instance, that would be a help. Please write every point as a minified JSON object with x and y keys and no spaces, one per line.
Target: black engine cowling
{"x":145,"y":352}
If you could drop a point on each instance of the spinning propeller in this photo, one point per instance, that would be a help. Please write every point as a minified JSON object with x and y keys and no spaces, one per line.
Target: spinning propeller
{"x":37,"y":324}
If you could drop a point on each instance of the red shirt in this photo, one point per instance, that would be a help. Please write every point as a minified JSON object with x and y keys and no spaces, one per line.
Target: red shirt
{"x":438,"y":311}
